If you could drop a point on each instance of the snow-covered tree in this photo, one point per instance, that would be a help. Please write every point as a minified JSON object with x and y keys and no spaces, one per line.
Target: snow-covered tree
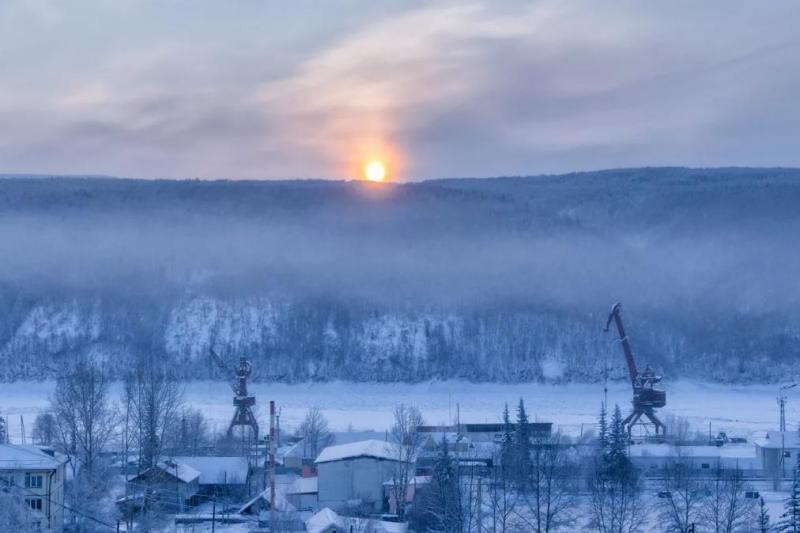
{"x":789,"y":521}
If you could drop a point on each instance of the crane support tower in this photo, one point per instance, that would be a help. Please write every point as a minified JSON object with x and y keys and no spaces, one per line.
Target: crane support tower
{"x":646,"y":397}
{"x":243,"y":415}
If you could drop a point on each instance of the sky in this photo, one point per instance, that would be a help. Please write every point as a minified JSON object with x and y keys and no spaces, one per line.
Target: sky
{"x":262,"y":89}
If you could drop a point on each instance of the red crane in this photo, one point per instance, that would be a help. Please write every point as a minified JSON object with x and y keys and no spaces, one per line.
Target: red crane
{"x":646,"y":397}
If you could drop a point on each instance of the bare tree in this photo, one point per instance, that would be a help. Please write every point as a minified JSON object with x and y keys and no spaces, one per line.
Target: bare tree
{"x":548,"y":500}
{"x":502,"y":500}
{"x":314,"y":431}
{"x":407,"y":439}
{"x":615,"y":504}
{"x":155,"y":399}
{"x":44,"y":429}
{"x":84,"y":417}
{"x":192,"y":433}
{"x":726,"y":510}
{"x":16,"y":515}
{"x":681,"y":497}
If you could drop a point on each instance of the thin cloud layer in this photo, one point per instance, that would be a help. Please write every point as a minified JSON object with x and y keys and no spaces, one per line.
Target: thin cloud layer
{"x":202,"y":89}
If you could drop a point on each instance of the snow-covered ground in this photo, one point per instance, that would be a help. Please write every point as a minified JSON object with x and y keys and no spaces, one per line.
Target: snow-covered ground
{"x":736,"y":409}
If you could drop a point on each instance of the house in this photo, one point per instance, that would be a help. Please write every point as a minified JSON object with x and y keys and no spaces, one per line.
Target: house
{"x":777,"y":452}
{"x":223,"y":476}
{"x":37,"y":474}
{"x":356,"y":472}
{"x":328,"y":521}
{"x":170,"y":484}
{"x":303,"y":493}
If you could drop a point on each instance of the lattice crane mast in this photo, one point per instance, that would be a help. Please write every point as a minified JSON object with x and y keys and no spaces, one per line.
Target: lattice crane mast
{"x":243,"y":415}
{"x":646,"y":397}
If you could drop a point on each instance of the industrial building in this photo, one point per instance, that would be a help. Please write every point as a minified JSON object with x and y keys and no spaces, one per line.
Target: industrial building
{"x":356,"y":471}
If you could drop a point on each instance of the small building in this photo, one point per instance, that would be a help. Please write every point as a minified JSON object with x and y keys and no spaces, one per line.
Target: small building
{"x":490,"y":432}
{"x":328,"y":521}
{"x":37,"y":474}
{"x":303,"y":493}
{"x":777,"y":451}
{"x":223,"y":476}
{"x":171,"y":484}
{"x":356,"y":472}
{"x":416,"y":486}
{"x":654,"y":457}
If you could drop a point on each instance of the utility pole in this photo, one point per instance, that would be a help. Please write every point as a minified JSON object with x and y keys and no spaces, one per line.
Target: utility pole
{"x":782,"y":423}
{"x":782,"y":403}
{"x":272,"y":451}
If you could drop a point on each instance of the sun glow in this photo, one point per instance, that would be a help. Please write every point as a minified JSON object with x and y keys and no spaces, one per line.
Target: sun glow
{"x":375,"y":171}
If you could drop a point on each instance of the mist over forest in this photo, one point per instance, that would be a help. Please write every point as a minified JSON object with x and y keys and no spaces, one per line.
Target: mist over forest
{"x":502,"y":279}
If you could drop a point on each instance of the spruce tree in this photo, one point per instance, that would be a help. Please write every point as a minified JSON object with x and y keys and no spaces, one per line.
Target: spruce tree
{"x":522,"y":441}
{"x":790,"y":519}
{"x":507,"y":446}
{"x":602,"y":437}
{"x":616,"y":460}
{"x":763,"y":516}
{"x":445,"y":498}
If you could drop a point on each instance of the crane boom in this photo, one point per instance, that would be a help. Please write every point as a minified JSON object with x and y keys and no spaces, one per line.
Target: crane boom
{"x":626,"y":346}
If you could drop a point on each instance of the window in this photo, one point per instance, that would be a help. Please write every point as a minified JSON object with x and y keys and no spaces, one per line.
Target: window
{"x":7,"y":480}
{"x":33,"y":481}
{"x":35,"y":503}
{"x":705,"y":465}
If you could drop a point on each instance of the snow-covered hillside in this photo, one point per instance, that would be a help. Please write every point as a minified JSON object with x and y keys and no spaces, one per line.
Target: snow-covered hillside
{"x":486,"y":280}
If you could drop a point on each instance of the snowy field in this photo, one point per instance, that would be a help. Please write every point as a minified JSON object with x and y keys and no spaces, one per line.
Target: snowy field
{"x":736,"y":409}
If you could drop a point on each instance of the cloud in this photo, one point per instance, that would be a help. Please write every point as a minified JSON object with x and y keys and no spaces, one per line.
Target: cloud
{"x":469,"y":88}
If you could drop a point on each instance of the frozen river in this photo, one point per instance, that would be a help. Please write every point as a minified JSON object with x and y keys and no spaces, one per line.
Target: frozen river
{"x":736,"y":409}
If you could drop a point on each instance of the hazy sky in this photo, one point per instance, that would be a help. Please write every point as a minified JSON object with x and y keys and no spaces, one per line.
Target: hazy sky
{"x":300,"y":89}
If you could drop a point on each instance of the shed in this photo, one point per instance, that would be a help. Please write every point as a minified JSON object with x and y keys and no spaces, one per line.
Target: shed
{"x":356,"y":472}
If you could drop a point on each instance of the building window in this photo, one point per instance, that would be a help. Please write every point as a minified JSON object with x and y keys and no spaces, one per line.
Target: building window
{"x":33,"y":481}
{"x":7,"y":480}
{"x":705,"y":465}
{"x":35,"y":503}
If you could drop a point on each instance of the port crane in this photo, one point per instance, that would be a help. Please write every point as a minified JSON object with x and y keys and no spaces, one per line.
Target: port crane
{"x":243,"y":415}
{"x":646,"y":396}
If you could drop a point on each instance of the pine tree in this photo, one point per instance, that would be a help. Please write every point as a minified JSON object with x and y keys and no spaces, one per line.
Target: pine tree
{"x":522,"y":441}
{"x":763,"y":516}
{"x":790,"y":519}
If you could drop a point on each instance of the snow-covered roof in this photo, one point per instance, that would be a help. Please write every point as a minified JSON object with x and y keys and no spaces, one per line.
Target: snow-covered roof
{"x":323,"y":520}
{"x":326,"y":519}
{"x":377,"y":449}
{"x":415,"y":480}
{"x":281,"y":503}
{"x":304,"y":485}
{"x":19,"y":456}
{"x":772,"y":439}
{"x":218,"y":470}
{"x":300,"y":448}
{"x":667,"y":450}
{"x":176,"y":469}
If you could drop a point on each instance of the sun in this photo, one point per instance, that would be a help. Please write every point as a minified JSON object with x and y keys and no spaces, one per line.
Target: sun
{"x":375,"y":171}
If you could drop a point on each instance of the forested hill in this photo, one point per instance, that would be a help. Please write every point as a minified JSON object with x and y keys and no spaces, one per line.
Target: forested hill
{"x":484,"y":279}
